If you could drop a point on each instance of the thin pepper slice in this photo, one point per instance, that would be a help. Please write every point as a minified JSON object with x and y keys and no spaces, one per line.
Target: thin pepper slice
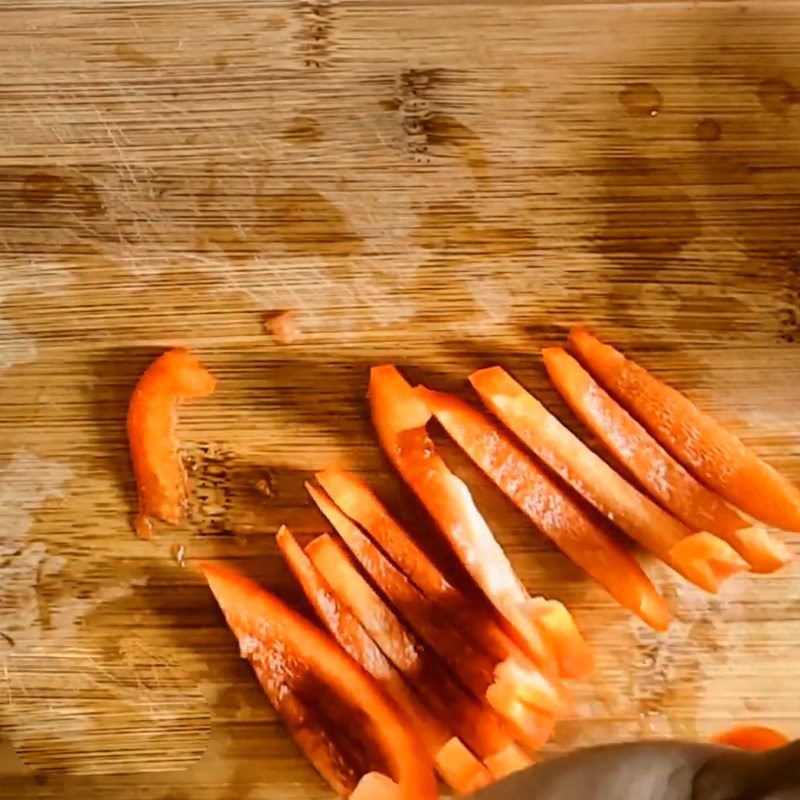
{"x":700,"y":557}
{"x":360,"y":503}
{"x":265,"y":627}
{"x":471,"y":666}
{"x":160,"y":479}
{"x":557,"y":513}
{"x":454,"y":762}
{"x":710,"y":451}
{"x":399,"y":415}
{"x":480,"y":729}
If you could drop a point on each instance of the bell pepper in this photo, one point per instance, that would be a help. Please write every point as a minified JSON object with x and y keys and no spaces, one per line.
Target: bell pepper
{"x":751,"y":737}
{"x":273,"y":637}
{"x":671,"y":485}
{"x":474,"y":668}
{"x":310,"y":735}
{"x":711,"y":452}
{"x":551,"y":507}
{"x":454,"y":762}
{"x":476,"y":725}
{"x":160,"y":479}
{"x":361,"y":504}
{"x":399,"y":416}
{"x":700,"y":557}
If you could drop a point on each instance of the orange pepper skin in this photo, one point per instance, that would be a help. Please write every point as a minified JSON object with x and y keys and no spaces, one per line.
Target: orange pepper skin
{"x":160,"y":479}
{"x":272,"y":635}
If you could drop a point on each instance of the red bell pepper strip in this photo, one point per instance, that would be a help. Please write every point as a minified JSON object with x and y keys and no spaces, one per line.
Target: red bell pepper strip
{"x":700,"y":557}
{"x":690,"y":502}
{"x":271,"y":635}
{"x":551,"y":507}
{"x":459,"y":768}
{"x":707,"y":449}
{"x":512,"y":666}
{"x":400,"y":416}
{"x":474,"y":668}
{"x":476,"y":725}
{"x":751,"y":737}
{"x":160,"y":479}
{"x":313,"y":740}
{"x":359,"y":502}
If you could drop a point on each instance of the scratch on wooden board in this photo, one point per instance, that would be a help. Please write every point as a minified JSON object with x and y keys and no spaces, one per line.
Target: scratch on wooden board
{"x":17,"y":347}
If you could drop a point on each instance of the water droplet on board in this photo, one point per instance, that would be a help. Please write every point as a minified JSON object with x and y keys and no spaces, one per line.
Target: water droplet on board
{"x":707,"y":130}
{"x":641,"y":99}
{"x":777,"y":95}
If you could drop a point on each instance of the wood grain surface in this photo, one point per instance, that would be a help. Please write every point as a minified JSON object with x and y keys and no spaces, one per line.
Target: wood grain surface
{"x":443,"y":185}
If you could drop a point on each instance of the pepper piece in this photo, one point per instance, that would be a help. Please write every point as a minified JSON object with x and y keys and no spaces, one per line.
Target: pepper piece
{"x":707,"y":449}
{"x":399,"y":416}
{"x":555,"y":511}
{"x":700,"y":557}
{"x":453,"y":761}
{"x":160,"y":479}
{"x":265,"y":626}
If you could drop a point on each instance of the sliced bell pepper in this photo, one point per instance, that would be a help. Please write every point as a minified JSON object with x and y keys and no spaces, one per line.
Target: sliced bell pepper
{"x":160,"y":479}
{"x":400,"y":416}
{"x":376,"y":786}
{"x":477,"y":726}
{"x":454,"y":762}
{"x":700,"y":557}
{"x":512,"y":666}
{"x":271,"y":636}
{"x":707,"y":449}
{"x":751,"y":737}
{"x":361,"y":504}
{"x":474,"y":668}
{"x":551,"y":507}
{"x":697,"y":507}
{"x":690,"y":502}
{"x":313,"y":740}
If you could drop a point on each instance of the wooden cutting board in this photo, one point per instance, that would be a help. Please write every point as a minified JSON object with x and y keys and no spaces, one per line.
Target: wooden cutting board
{"x":442,"y":185}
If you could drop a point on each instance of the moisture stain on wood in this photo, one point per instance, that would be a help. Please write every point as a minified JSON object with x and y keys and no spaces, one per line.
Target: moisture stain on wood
{"x":62,"y":192}
{"x":777,"y":96}
{"x":133,"y":55}
{"x":294,"y":221}
{"x":444,"y":130}
{"x":647,"y":210}
{"x":707,"y":130}
{"x":221,"y":61}
{"x":641,"y":99}
{"x":303,"y":130}
{"x":455,"y":228}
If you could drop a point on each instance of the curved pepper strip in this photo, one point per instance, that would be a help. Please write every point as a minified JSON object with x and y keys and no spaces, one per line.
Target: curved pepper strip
{"x":360,"y":503}
{"x":263,"y":624}
{"x":454,"y":762}
{"x":160,"y":479}
{"x":555,"y":511}
{"x":707,"y":449}
{"x":549,"y":637}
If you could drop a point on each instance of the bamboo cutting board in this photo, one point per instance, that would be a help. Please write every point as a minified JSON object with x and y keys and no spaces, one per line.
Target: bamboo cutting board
{"x":443,"y":185}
